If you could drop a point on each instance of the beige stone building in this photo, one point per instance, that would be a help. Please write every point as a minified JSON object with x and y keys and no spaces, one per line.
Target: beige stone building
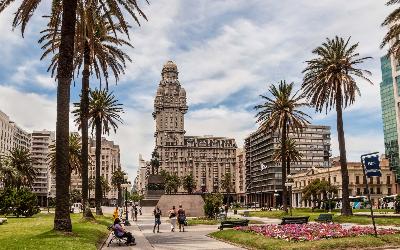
{"x":44,"y":184}
{"x":379,"y":186}
{"x":207,"y":158}
{"x":240,"y":176}
{"x":12,"y":136}
{"x":142,"y":175}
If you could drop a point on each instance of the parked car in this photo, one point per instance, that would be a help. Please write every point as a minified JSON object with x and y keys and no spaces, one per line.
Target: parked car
{"x":76,"y":208}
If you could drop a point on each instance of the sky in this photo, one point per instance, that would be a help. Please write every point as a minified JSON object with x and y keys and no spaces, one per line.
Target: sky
{"x":228,"y":52}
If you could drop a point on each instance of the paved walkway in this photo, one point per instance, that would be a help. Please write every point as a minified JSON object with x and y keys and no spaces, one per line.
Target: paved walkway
{"x":194,"y":237}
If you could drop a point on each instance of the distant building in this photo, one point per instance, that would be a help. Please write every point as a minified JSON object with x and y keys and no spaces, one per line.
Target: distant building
{"x":207,"y":158}
{"x":390,"y":100}
{"x":44,"y":183}
{"x":264,"y":175}
{"x":12,"y":136}
{"x":379,"y":186}
{"x":142,"y":175}
{"x":240,"y":176}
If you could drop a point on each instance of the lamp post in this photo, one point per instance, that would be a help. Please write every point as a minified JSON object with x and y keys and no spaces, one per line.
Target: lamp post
{"x":276,"y":198}
{"x":289,"y":183}
{"x":48,"y":196}
{"x":329,"y":178}
{"x":125,"y":185}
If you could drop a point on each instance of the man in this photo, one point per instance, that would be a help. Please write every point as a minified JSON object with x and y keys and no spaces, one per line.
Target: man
{"x":181,"y":218}
{"x":120,"y":232}
{"x":157,"y":219}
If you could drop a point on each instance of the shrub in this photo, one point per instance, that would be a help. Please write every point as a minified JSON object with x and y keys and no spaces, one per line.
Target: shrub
{"x":212,"y":204}
{"x":19,"y":202}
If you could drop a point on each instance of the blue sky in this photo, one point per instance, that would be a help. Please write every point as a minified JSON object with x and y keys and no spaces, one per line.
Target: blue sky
{"x":227,"y":51}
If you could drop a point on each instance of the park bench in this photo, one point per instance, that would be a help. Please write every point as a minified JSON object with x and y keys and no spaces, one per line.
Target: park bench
{"x":324,"y":218}
{"x":233,"y":223}
{"x":295,"y":220}
{"x":2,"y":220}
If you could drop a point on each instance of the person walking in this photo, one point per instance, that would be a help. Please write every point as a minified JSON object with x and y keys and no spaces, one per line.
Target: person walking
{"x":181,"y":218}
{"x":135,"y":212}
{"x":157,"y":219}
{"x":172,"y":218}
{"x":140,"y":210}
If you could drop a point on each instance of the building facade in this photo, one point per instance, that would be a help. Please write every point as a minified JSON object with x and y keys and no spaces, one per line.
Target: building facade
{"x":44,"y":183}
{"x":390,"y":100}
{"x":12,"y":136}
{"x":240,"y":176}
{"x":142,"y":175}
{"x":379,"y":186}
{"x":264,"y":175}
{"x":207,"y":158}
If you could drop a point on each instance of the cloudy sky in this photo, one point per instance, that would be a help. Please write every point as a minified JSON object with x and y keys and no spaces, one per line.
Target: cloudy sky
{"x":227,"y":51}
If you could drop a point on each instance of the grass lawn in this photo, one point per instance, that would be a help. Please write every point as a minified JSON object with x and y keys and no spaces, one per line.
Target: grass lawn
{"x":253,"y":240}
{"x":365,"y":220}
{"x":205,"y":221}
{"x":37,"y":233}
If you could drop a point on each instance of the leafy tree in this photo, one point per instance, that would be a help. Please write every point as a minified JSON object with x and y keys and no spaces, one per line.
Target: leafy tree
{"x":75,"y":196}
{"x":317,"y":188}
{"x":329,"y":83}
{"x":117,"y":179}
{"x":134,"y":196}
{"x":172,"y":182}
{"x":212,"y":203}
{"x":105,"y":187}
{"x":22,"y":162}
{"x":189,"y":183}
{"x":154,"y":162}
{"x":19,"y":202}
{"x":282,"y":113}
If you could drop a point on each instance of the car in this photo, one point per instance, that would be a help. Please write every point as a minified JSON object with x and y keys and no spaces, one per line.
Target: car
{"x":76,"y":208}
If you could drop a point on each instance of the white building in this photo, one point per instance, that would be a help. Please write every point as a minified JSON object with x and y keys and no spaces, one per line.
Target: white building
{"x":11,"y":135}
{"x":142,"y":175}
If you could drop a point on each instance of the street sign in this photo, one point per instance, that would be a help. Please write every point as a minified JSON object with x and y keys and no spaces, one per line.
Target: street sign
{"x":372,"y":167}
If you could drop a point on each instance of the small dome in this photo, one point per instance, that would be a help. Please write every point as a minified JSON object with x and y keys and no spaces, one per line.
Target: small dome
{"x":169,"y":66}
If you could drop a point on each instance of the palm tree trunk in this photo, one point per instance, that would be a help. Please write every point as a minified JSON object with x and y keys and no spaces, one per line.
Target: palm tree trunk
{"x":346,"y":209}
{"x":283,"y":148}
{"x":62,"y":219}
{"x":84,"y":124}
{"x":98,"y":193}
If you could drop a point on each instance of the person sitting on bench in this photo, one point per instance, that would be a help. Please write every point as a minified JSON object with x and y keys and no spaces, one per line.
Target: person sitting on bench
{"x":122,"y":233}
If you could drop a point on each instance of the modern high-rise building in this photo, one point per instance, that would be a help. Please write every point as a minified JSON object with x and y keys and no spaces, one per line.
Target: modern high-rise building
{"x":390,"y":101}
{"x":12,"y":136}
{"x":207,"y":158}
{"x":142,"y":175}
{"x":44,"y":184}
{"x":264,"y":174}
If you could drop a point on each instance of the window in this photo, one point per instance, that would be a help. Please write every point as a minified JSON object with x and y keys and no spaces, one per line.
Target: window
{"x":388,"y":179}
{"x":378,"y":190}
{"x":371,"y":180}
{"x":358,"y":191}
{"x":371,"y":190}
{"x":378,"y":180}
{"x":357,"y":179}
{"x":389,"y":191}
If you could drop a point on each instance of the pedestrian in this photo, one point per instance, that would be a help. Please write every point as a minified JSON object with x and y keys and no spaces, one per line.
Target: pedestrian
{"x":181,"y":218}
{"x":172,"y":218}
{"x":121,"y":232}
{"x":157,"y":219}
{"x":226,"y":210}
{"x":115,"y":214}
{"x":140,"y":210}
{"x":135,"y":210}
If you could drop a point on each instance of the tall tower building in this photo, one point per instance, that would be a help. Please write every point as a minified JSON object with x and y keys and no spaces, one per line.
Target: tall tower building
{"x":207,"y":158}
{"x":390,"y":101}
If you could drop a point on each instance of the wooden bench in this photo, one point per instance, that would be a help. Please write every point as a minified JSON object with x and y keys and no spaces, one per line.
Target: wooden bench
{"x":295,"y":220}
{"x":324,"y":218}
{"x":2,"y":220}
{"x":233,"y":223}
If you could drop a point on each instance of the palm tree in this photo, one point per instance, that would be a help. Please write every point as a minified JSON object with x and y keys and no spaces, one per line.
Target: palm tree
{"x":117,"y":179}
{"x":97,"y":50}
{"x":90,"y":185}
{"x":391,"y":21}
{"x":226,"y":184}
{"x":105,"y":187}
{"x":329,"y":82}
{"x":291,"y":153}
{"x":189,"y":183}
{"x":282,"y":113}
{"x":21,"y":161}
{"x":65,"y":12}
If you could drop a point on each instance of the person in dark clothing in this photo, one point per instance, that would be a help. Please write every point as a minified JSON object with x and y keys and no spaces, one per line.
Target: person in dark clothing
{"x":122,"y":233}
{"x":157,"y":219}
{"x":181,"y":218}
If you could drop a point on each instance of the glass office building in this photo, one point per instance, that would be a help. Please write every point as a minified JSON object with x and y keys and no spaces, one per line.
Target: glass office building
{"x":388,"y":87}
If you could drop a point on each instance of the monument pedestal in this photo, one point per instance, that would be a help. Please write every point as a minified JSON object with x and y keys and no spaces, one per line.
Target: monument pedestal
{"x":154,"y":191}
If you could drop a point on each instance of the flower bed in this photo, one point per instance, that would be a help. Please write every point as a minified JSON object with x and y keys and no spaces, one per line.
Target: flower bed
{"x":312,"y":231}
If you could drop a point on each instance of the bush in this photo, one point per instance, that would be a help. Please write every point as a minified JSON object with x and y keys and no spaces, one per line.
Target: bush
{"x":212,"y":204}
{"x":19,"y":202}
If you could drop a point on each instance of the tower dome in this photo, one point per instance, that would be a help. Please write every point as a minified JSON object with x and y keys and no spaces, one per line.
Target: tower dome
{"x":170,"y":70}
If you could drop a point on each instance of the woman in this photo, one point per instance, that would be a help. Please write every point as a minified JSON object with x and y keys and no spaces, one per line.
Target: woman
{"x":172,"y":218}
{"x":120,"y":232}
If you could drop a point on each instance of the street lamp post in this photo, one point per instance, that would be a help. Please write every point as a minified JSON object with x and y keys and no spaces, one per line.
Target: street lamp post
{"x":48,"y":196}
{"x":329,"y":178}
{"x":126,"y":185}
{"x":276,"y":198}
{"x":289,"y":183}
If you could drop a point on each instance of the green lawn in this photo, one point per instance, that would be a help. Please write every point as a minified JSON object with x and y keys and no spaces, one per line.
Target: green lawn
{"x":256,"y":241}
{"x":205,"y":221}
{"x":37,"y":233}
{"x":336,"y":218}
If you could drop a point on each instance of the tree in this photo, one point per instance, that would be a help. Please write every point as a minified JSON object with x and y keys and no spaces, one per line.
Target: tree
{"x":315,"y":189}
{"x":90,"y":185}
{"x":393,"y":26}
{"x":212,"y":203}
{"x":172,"y":182}
{"x":154,"y":162}
{"x":226,"y":184}
{"x":329,"y":83}
{"x":105,"y":187}
{"x":20,"y":171}
{"x":282,"y":113}
{"x":291,"y":153}
{"x":189,"y":183}
{"x":76,"y":196}
{"x":117,"y":179}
